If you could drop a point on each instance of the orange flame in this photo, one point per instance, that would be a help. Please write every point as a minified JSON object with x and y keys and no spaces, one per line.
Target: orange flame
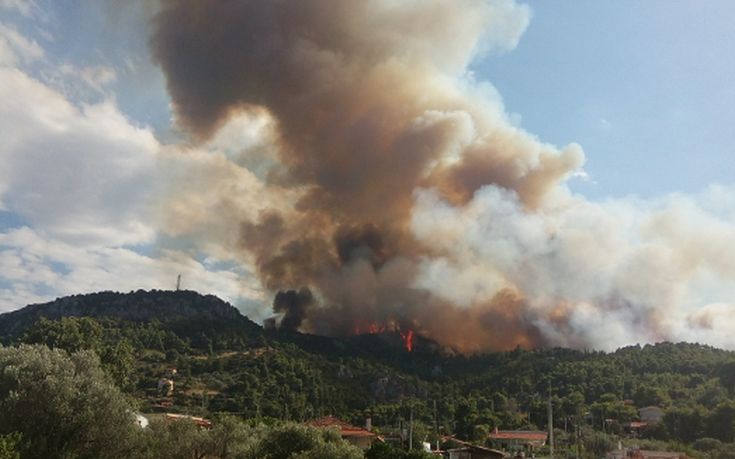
{"x":373,"y":328}
{"x":407,"y":338}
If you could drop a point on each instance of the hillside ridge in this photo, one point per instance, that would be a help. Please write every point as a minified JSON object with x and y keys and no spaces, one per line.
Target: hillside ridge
{"x":135,"y":306}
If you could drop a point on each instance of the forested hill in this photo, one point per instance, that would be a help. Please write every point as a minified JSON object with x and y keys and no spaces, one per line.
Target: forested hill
{"x":227,"y":363}
{"x":140,"y":306}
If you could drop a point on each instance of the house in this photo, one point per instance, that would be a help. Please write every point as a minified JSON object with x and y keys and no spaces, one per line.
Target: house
{"x":651,"y":414}
{"x":358,"y":436}
{"x":518,"y":440}
{"x":464,"y":450}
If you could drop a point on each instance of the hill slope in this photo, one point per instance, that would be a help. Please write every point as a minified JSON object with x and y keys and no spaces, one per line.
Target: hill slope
{"x":140,"y":306}
{"x":228,"y":363}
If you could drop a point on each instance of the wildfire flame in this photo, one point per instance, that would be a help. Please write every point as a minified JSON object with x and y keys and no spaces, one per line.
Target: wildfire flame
{"x":374,"y":328}
{"x":407,"y":338}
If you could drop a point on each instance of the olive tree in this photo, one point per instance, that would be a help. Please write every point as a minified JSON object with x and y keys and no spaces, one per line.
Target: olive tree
{"x":63,"y":405}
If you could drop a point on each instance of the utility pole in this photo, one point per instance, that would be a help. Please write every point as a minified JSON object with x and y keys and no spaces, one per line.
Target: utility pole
{"x":436,"y":426}
{"x":410,"y":430}
{"x":551,"y":424}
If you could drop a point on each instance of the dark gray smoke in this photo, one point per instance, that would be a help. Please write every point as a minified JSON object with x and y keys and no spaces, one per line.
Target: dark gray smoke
{"x":294,"y":305}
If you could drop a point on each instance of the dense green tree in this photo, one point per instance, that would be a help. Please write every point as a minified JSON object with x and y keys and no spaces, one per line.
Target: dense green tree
{"x":68,"y":333}
{"x":385,"y":451}
{"x":726,"y":374}
{"x":647,"y":395}
{"x":299,"y":441}
{"x":684,"y":423}
{"x":721,"y":423}
{"x":9,"y":446}
{"x":63,"y":405}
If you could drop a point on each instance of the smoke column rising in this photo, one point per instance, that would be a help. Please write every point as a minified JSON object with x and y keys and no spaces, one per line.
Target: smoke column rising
{"x":414,"y":202}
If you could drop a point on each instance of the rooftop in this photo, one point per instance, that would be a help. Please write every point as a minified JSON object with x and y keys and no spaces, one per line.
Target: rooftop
{"x":528,"y":435}
{"x":346,"y":429}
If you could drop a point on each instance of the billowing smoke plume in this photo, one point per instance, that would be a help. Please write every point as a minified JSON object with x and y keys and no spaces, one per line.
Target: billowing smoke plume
{"x":412,"y":200}
{"x":294,"y":306}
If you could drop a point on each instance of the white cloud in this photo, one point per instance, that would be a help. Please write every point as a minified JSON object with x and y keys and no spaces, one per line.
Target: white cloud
{"x":37,"y":268}
{"x":94,"y":77}
{"x":90,"y":185}
{"x":16,"y":49}
{"x":23,"y":7}
{"x":81,"y":174}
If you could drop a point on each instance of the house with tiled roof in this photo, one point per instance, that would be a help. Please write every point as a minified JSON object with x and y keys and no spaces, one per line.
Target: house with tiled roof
{"x":358,"y":436}
{"x":516,"y":440}
{"x":466,"y":450}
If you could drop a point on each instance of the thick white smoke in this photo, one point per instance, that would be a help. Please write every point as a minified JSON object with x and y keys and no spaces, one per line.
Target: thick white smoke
{"x":598,"y":275}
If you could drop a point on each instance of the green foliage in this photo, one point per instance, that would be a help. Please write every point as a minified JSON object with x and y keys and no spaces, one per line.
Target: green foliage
{"x":386,"y":451}
{"x":721,"y":423}
{"x":599,"y":443}
{"x":69,"y":333}
{"x":9,"y":446}
{"x":63,"y":405}
{"x":302,"y":441}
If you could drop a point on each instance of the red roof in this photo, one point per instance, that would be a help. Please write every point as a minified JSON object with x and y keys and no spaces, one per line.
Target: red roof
{"x":346,"y":429}
{"x":527,"y":435}
{"x":201,"y":422}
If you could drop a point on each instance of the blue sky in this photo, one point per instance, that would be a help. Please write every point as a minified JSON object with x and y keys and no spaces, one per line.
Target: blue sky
{"x":646,"y":88}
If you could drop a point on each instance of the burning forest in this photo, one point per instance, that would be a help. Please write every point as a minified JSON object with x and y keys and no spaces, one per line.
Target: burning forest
{"x":396,"y":193}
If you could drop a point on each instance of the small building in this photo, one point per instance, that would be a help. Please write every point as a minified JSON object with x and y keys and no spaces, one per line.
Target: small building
{"x":651,"y":414}
{"x":460,"y":449}
{"x":358,"y":436}
{"x":518,"y":440}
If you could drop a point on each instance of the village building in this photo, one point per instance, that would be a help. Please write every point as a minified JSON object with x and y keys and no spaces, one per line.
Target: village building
{"x":518,"y":440}
{"x":358,"y":436}
{"x":465,"y":450}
